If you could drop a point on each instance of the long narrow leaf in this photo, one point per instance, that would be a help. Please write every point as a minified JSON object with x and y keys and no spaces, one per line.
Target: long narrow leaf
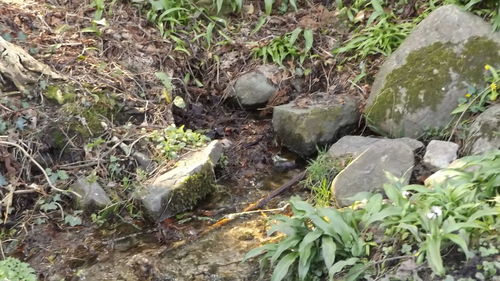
{"x":328,"y":250}
{"x":282,"y":267}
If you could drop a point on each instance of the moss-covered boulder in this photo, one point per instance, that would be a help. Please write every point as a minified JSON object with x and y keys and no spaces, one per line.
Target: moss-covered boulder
{"x":181,"y":188}
{"x":301,"y":126}
{"x":484,"y":134}
{"x":419,"y":85}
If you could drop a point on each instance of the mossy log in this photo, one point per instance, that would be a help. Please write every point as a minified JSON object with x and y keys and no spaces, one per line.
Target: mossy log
{"x":20,"y":68}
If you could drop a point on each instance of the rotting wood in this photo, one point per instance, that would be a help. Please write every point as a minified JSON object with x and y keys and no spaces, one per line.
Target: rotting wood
{"x":21,"y":68}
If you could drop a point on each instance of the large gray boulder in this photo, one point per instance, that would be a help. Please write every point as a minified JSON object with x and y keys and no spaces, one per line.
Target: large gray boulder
{"x":367,"y":172}
{"x":255,"y":88}
{"x":181,"y":188}
{"x":301,"y":128}
{"x":419,"y":85}
{"x":353,"y":146}
{"x":484,"y":134}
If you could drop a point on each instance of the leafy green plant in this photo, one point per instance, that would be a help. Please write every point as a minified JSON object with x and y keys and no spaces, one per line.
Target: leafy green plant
{"x":286,"y":47}
{"x":12,"y":269}
{"x":476,"y":101}
{"x":172,"y":140}
{"x":451,"y":211}
{"x":318,"y":242}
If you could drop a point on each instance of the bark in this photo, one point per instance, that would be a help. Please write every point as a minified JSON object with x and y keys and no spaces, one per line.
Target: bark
{"x":19,"y":67}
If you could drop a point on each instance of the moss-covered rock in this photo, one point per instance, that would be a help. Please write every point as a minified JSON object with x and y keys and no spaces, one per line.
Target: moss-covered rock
{"x":419,"y":85}
{"x":302,"y":128}
{"x":181,"y":188}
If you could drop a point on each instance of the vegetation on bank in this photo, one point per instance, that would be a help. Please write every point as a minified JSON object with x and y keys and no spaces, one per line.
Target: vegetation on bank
{"x":421,"y":223}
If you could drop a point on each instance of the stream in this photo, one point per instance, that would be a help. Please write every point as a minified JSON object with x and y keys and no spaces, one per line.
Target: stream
{"x":130,"y":253}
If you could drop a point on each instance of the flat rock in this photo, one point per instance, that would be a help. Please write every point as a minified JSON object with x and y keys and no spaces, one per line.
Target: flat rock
{"x":419,"y":85}
{"x":367,"y":172}
{"x":353,"y":146}
{"x":302,"y":128}
{"x":439,"y":154}
{"x":91,"y":192}
{"x":484,"y":133}
{"x":182,"y":187}
{"x":254,"y":88}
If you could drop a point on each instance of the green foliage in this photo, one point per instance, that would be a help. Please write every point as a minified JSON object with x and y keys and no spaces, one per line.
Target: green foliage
{"x":12,"y":269}
{"x":457,"y":211}
{"x":318,"y":242}
{"x":286,"y":47}
{"x":319,"y":176}
{"x":382,"y":38}
{"x":74,"y":219}
{"x":476,"y":101}
{"x":172,"y":140}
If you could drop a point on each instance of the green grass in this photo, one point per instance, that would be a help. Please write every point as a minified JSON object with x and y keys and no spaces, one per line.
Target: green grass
{"x":319,"y":176}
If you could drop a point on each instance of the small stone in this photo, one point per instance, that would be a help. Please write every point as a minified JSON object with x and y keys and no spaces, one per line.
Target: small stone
{"x":92,"y":194}
{"x":439,"y":154}
{"x":254,"y":88}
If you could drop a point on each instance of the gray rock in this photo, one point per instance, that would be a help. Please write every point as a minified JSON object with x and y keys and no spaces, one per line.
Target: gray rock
{"x":184,"y":186}
{"x":353,"y":146}
{"x":254,"y":88}
{"x":303,"y":128}
{"x":419,"y":85}
{"x":92,"y":194}
{"x":367,"y":173}
{"x":439,"y":154}
{"x":484,"y":134}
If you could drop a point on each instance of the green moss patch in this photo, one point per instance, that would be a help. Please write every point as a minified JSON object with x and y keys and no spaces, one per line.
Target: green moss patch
{"x":425,"y":77}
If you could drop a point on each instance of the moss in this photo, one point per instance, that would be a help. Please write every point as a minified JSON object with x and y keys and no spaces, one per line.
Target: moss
{"x":191,"y":191}
{"x":61,"y":93}
{"x":93,"y":111}
{"x":423,"y":80}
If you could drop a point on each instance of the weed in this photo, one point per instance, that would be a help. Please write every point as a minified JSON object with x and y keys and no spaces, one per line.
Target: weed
{"x":382,"y":38}
{"x":286,"y":47}
{"x":172,"y":140}
{"x":12,"y":269}
{"x":319,"y":176}
{"x":476,"y":101}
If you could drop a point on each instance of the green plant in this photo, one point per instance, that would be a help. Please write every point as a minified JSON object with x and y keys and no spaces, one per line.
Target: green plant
{"x":319,"y":176}
{"x":454,"y":210}
{"x":286,"y":47}
{"x":382,"y":38}
{"x":459,"y":209}
{"x":476,"y":101}
{"x":172,"y":140}
{"x":318,"y":242}
{"x":12,"y":269}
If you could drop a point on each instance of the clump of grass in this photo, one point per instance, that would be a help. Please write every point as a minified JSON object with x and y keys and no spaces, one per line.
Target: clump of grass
{"x":319,"y":176}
